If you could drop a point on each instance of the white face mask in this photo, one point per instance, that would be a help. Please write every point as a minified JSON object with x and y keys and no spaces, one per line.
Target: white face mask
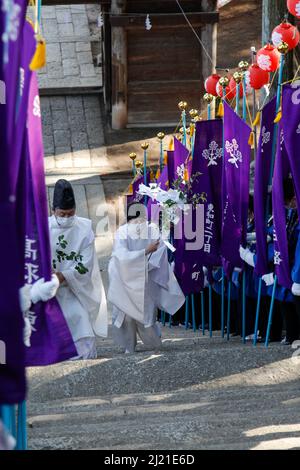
{"x":66,"y":222}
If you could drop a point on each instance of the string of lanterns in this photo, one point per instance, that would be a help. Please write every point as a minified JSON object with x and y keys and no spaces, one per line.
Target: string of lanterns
{"x":285,"y":37}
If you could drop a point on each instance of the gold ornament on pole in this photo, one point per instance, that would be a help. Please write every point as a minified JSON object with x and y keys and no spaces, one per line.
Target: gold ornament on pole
{"x":194,"y":113}
{"x":208,"y":98}
{"x":243,"y":65}
{"x":182,"y":105}
{"x":160,"y":136}
{"x":132,"y":156}
{"x":283,"y":48}
{"x":139,"y":164}
{"x":145,"y":145}
{"x":224,"y":82}
{"x":237,"y":77}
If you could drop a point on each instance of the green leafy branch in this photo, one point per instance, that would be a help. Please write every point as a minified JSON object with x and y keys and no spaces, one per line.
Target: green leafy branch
{"x":73,"y":256}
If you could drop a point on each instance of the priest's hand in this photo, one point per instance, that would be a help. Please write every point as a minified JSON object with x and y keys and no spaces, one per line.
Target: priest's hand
{"x":296,"y":289}
{"x":268,"y":279}
{"x":60,"y":277}
{"x":152,"y":247}
{"x":43,"y":291}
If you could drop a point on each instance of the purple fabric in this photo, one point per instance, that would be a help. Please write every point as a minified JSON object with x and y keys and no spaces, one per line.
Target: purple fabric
{"x":291,"y":127}
{"x":188,"y":272}
{"x":236,"y":163}
{"x":153,"y":207}
{"x":208,"y":161}
{"x":51,"y":340}
{"x":12,"y":373}
{"x":281,"y":250}
{"x":178,"y":158}
{"x":12,"y":70}
{"x":261,"y":183}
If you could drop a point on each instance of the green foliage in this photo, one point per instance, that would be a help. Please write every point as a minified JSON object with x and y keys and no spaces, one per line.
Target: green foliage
{"x":73,"y":256}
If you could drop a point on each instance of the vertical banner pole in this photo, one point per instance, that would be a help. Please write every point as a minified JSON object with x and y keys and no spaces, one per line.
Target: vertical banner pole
{"x":193,"y":312}
{"x":202,"y":313}
{"x":244,"y":272}
{"x":228,"y":311}
{"x":145,"y":146}
{"x":278,"y":99}
{"x":186,"y":312}
{"x":209,"y":285}
{"x":223,"y":273}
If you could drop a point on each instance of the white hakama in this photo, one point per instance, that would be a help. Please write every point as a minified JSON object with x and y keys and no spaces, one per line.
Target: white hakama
{"x":82,"y":296}
{"x":138,"y":285}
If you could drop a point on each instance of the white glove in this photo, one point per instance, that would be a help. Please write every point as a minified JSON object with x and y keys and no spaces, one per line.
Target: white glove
{"x":27,"y":332}
{"x":251,"y":237}
{"x":237,"y":270}
{"x":268,"y":279}
{"x":24,"y":296}
{"x":296,"y":289}
{"x":44,"y":291}
{"x":247,"y":256}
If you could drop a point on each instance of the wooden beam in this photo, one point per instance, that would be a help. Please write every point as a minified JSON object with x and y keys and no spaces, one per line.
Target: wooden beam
{"x":171,"y":20}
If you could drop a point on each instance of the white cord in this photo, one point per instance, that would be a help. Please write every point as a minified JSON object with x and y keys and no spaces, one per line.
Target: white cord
{"x":195,"y":33}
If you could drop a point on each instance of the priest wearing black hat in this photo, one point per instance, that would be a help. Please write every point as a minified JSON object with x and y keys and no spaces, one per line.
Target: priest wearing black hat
{"x":81,"y":294}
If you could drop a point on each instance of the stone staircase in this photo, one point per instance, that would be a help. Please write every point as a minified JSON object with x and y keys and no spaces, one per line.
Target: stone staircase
{"x":196,"y":393}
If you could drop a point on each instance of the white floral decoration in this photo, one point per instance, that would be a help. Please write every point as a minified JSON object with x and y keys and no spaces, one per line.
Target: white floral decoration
{"x":265,"y":137}
{"x":212,"y":153}
{"x":276,"y":38}
{"x":13,"y":11}
{"x":298,"y":129}
{"x":180,"y":170}
{"x":277,"y":258}
{"x":36,"y":106}
{"x":297,"y":8}
{"x":264,"y":62}
{"x":235,"y":154}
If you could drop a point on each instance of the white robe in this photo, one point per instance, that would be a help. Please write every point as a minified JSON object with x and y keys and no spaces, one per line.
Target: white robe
{"x":82,"y":296}
{"x":139,"y":284}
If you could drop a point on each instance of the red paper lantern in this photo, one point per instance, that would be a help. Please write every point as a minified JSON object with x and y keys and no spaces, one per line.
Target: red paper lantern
{"x":286,"y":32}
{"x":294,"y":7}
{"x":232,"y":87}
{"x":268,"y":58}
{"x":229,"y":93}
{"x":211,"y":84}
{"x":256,"y":77}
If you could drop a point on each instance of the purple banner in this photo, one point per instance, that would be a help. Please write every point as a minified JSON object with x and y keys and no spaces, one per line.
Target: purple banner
{"x":12,"y":350}
{"x":51,"y":340}
{"x":281,"y":249}
{"x":261,"y":184}
{"x":153,"y":207}
{"x":180,"y":156}
{"x":237,"y":155}
{"x":291,"y":126}
{"x":208,"y":160}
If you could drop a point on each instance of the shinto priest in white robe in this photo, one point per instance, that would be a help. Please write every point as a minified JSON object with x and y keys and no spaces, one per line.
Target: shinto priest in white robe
{"x":81,"y":296}
{"x":139,"y":284}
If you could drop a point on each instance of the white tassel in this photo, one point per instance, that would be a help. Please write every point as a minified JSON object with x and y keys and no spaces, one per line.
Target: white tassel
{"x":148,"y":24}
{"x":100,"y":20}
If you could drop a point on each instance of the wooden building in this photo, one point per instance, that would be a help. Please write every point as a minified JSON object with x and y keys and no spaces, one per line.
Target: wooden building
{"x":146,"y":72}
